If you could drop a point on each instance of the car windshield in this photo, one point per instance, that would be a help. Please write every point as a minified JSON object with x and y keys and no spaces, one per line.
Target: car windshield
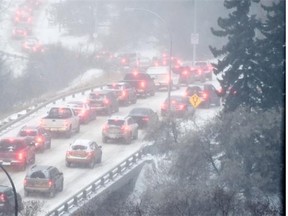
{"x":115,"y":122}
{"x":24,"y":133}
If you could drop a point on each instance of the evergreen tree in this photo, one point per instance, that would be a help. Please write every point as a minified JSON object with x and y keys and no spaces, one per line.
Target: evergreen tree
{"x":240,"y":63}
{"x":272,"y":50}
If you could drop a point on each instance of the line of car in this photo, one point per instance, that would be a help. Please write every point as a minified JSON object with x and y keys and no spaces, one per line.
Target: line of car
{"x":23,"y":24}
{"x":20,"y":151}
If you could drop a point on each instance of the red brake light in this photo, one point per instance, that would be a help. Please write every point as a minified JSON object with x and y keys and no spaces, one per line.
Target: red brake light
{"x":145,"y":119}
{"x":184,"y":72}
{"x":123,"y":93}
{"x":106,"y":101}
{"x":50,"y":183}
{"x":125,"y":128}
{"x":205,"y":95}
{"x":181,"y":106}
{"x":143,"y":84}
{"x":105,"y":127}
{"x":199,"y":71}
{"x":39,"y":139}
{"x":20,"y":156}
{"x":2,"y":197}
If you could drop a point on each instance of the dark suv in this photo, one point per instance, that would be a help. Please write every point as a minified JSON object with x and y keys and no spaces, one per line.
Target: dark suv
{"x":124,"y":92}
{"x":103,"y":101}
{"x":7,"y":201}
{"x":142,"y":82}
{"x":207,"y":93}
{"x":43,"y":179}
{"x":42,"y":138}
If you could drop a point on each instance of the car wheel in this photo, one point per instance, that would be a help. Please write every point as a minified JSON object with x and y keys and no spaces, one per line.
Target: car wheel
{"x":100,"y":159}
{"x":134,"y":101}
{"x":136,"y":135}
{"x":68,"y":164}
{"x":104,"y":139}
{"x":91,"y":164}
{"x":128,"y":139}
{"x":33,"y":159}
{"x":49,"y":144}
{"x":51,"y":193}
{"x":61,"y":187}
{"x":68,"y":133}
{"x":26,"y":193}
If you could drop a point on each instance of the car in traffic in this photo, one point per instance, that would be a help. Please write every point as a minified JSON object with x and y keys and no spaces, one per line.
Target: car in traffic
{"x":144,"y":116}
{"x":32,"y":45}
{"x":161,"y":77}
{"x":205,"y":68}
{"x":17,"y":152}
{"x":142,"y":82}
{"x":83,"y":110}
{"x":179,"y":107}
{"x":41,"y":137}
{"x":120,"y":128}
{"x":208,"y":94}
{"x":84,"y":151}
{"x":43,"y":179}
{"x":7,"y":201}
{"x":103,"y":101}
{"x":21,"y":32}
{"x":124,"y":92}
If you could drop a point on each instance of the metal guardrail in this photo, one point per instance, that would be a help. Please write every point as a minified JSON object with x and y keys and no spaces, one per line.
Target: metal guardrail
{"x":5,"y":125}
{"x":74,"y":202}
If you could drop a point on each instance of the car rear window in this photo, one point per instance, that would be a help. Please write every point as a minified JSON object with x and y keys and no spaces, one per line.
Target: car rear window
{"x":38,"y":174}
{"x":24,"y":133}
{"x":115,"y":122}
{"x":79,"y":147}
{"x":6,"y":146}
{"x":60,"y":113}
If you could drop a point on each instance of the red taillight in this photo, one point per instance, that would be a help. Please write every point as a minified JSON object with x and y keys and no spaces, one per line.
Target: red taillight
{"x":181,"y":106}
{"x":20,"y":156}
{"x":145,"y":119}
{"x":39,"y":139}
{"x":106,"y":101}
{"x":89,"y":154}
{"x":2,"y":197}
{"x":123,"y":61}
{"x":184,"y":72}
{"x":123,"y":93}
{"x":205,"y":95}
{"x":199,"y":71}
{"x":105,"y":127}
{"x":163,"y":106}
{"x":125,"y":128}
{"x":50,"y":183}
{"x":142,"y":84}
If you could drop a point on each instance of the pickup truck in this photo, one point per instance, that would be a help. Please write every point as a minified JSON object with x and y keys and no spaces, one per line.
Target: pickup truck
{"x":17,"y":152}
{"x":63,"y":120}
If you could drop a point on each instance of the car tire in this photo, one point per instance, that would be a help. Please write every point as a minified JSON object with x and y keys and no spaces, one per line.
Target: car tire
{"x":100,"y":159}
{"x":52,"y":192}
{"x":26,"y":193}
{"x":136,"y":135}
{"x":49,"y":145}
{"x":104,"y":139}
{"x":61,"y":187}
{"x":68,"y":164}
{"x":91,"y":164}
{"x":128,"y":139}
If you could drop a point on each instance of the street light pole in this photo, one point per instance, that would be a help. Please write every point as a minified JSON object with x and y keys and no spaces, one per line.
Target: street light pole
{"x":170,"y":51}
{"x":14,"y":189}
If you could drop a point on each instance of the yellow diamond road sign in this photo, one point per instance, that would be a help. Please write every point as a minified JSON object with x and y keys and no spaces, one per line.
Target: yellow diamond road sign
{"x":195,"y":100}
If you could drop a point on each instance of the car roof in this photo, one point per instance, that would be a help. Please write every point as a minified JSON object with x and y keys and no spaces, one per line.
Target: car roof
{"x":118,"y":117}
{"x":84,"y":142}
